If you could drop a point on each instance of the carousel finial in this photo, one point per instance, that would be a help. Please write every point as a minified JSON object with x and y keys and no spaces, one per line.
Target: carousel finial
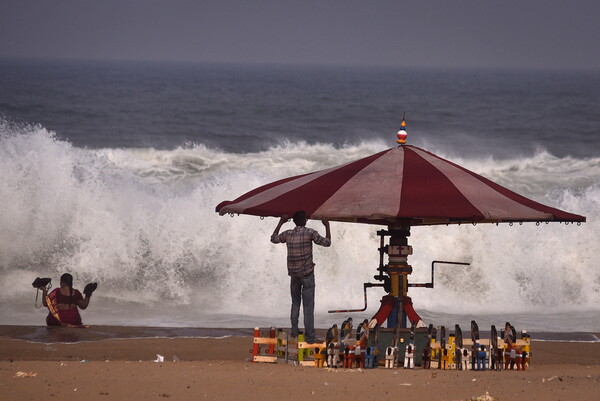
{"x":402,"y":133}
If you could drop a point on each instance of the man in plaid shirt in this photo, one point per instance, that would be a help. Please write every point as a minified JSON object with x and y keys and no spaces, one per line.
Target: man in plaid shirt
{"x":301,"y":268}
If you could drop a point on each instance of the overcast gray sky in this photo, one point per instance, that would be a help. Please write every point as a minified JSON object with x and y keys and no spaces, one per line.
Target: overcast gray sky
{"x":558,"y":34}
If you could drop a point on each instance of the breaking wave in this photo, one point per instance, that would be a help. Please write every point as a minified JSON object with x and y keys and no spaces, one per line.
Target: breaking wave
{"x":142,"y":223}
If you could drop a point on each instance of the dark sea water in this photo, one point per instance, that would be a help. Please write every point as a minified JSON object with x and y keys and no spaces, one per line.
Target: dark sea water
{"x":251,"y":108}
{"x":112,"y":171}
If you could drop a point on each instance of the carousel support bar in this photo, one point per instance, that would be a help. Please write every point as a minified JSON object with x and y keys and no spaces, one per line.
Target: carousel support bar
{"x":382,"y":251}
{"x":365,"y":286}
{"x":430,"y":285}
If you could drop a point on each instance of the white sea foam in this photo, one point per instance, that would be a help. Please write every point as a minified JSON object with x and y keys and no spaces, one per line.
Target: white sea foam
{"x":142,"y":223}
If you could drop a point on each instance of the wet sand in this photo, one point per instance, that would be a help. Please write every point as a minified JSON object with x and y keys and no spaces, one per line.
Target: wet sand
{"x":121,"y":367}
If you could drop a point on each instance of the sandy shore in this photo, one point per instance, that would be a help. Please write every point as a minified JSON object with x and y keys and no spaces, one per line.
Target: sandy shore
{"x":217,"y":369}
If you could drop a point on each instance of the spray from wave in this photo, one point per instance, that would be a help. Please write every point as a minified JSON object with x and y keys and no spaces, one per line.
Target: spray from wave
{"x":142,"y":223}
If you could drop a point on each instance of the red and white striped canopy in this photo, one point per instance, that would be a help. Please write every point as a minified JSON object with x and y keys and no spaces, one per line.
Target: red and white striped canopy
{"x":404,"y":185}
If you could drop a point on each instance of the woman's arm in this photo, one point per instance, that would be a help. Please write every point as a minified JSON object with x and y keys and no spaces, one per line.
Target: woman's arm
{"x":44,"y":295}
{"x":84,"y":302}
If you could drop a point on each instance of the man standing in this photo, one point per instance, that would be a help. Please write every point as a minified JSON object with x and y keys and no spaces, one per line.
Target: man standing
{"x":301,"y":268}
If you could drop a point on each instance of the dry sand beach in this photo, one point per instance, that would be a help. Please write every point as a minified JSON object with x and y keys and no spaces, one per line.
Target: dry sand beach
{"x":218,"y":369}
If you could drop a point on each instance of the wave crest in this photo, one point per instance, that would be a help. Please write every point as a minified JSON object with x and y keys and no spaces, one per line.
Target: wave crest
{"x":142,"y":223}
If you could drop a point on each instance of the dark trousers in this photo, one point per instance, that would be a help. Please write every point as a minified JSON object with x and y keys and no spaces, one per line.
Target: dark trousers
{"x":303,"y":291}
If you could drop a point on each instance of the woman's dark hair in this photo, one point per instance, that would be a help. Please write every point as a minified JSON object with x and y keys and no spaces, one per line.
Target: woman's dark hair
{"x":68,"y":280}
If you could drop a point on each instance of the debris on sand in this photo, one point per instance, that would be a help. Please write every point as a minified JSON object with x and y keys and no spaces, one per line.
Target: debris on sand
{"x":486,"y":397}
{"x":23,"y":375}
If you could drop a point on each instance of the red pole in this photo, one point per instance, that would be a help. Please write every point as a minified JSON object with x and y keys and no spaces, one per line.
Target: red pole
{"x":256,"y":347}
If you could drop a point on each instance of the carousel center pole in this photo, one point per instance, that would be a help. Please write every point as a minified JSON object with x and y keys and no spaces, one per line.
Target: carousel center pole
{"x":398,"y":250}
{"x":395,"y":273}
{"x":398,"y":270}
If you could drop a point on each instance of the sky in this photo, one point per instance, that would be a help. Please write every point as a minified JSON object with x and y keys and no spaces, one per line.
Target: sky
{"x":524,"y":34}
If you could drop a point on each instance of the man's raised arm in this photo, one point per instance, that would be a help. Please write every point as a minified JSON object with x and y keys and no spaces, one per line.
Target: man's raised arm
{"x":282,"y":221}
{"x":327,"y":229}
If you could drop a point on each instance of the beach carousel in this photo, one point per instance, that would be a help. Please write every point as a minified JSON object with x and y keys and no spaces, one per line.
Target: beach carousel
{"x":399,"y":188}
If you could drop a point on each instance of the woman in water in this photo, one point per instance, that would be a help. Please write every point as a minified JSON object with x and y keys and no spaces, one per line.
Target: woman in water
{"x":63,"y":303}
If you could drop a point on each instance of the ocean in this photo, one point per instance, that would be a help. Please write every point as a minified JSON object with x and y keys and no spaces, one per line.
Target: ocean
{"x":112,"y":170}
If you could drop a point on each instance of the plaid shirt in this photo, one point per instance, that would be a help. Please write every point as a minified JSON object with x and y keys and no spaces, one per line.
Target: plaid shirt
{"x":299,"y":245}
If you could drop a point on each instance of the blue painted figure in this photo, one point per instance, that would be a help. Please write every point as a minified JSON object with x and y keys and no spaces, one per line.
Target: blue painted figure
{"x":481,"y":358}
{"x":370,"y":358}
